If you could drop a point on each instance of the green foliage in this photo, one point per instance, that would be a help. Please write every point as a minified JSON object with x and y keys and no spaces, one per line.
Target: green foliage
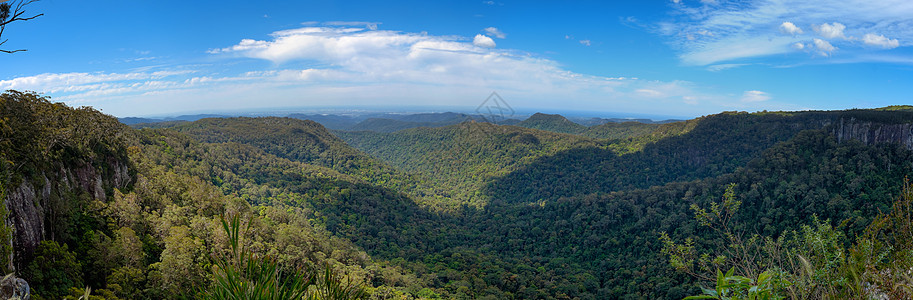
{"x":731,"y":286}
{"x":600,"y":231}
{"x":89,"y":294}
{"x":333,"y":286}
{"x":298,"y":140}
{"x":624,"y":130}
{"x":6,"y":229}
{"x":390,"y":125}
{"x":474,"y":210}
{"x":53,"y":271}
{"x":37,"y":132}
{"x":676,"y":152}
{"x":813,"y":262}
{"x":553,"y":123}
{"x":720,"y":214}
{"x":881,"y":259}
{"x":896,"y":108}
{"x":242,"y":275}
{"x":453,"y":164}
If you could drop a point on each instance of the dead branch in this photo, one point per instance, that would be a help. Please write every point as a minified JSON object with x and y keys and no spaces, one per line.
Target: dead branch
{"x":12,"y":12}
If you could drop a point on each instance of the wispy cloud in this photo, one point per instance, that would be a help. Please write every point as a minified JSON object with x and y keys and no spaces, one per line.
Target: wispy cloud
{"x":824,"y":48}
{"x":368,"y":25}
{"x":348,"y":65}
{"x":495,"y":32}
{"x":740,"y":31}
{"x":720,"y":67}
{"x":755,"y":96}
{"x":78,"y":82}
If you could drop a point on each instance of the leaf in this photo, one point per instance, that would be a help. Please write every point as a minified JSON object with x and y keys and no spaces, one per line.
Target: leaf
{"x":710,"y":292}
{"x":699,"y":297}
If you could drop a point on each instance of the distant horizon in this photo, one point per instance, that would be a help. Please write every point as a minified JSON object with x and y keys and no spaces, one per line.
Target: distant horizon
{"x":521,"y":113}
{"x":355,"y":112}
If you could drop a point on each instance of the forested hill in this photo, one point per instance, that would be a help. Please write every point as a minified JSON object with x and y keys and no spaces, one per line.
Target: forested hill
{"x":612,"y":131}
{"x":309,"y":142}
{"x":533,"y":165}
{"x":465,"y":211}
{"x":554,"y":123}
{"x":464,"y":157}
{"x":391,"y":125}
{"x":134,"y":214}
{"x":298,"y":140}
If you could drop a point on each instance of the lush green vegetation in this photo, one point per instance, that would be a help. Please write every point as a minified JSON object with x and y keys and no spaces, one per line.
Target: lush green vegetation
{"x":553,"y":123}
{"x":457,"y":161}
{"x":465,"y":211}
{"x":410,"y":121}
{"x":390,"y":125}
{"x":817,"y":261}
{"x":155,"y":237}
{"x":614,"y":131}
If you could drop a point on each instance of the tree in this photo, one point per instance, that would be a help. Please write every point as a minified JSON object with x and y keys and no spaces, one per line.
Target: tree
{"x":53,"y":271}
{"x":10,"y":12}
{"x":243,"y":275}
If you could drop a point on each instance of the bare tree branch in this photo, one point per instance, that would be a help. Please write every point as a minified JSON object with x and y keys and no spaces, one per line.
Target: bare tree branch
{"x":13,"y":11}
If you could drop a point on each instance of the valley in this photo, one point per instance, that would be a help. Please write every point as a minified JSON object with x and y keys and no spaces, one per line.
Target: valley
{"x":542,"y":209}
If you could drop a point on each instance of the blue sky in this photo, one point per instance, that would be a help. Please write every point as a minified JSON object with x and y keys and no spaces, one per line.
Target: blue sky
{"x":677,"y":58}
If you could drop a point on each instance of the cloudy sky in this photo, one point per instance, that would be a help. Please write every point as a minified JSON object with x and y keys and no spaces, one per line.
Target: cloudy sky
{"x":681,"y":58}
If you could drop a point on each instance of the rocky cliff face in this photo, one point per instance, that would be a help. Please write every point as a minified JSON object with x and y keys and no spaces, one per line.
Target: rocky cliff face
{"x":870,"y":132}
{"x":55,"y":161}
{"x":33,"y":204}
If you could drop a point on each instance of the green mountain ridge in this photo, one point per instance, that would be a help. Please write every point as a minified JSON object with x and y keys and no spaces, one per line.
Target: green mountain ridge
{"x":462,"y":157}
{"x":391,"y":125}
{"x":611,"y":131}
{"x":554,"y":123}
{"x":466,"y":211}
{"x":298,"y":140}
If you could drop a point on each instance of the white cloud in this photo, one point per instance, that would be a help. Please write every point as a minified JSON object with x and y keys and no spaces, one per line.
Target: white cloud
{"x":585,"y":42}
{"x":798,"y":46}
{"x":495,"y":32}
{"x":831,"y":31}
{"x":368,"y":25}
{"x":720,"y":67}
{"x":824,"y":47}
{"x":755,"y":96}
{"x":355,"y":66}
{"x":246,"y":44}
{"x":483,"y":41}
{"x":650,"y":93}
{"x":73,"y":82}
{"x":790,"y":28}
{"x":759,"y":29}
{"x":880,"y":41}
{"x":712,"y":52}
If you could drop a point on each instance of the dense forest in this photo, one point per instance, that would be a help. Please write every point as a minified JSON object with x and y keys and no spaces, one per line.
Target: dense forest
{"x":796,"y":204}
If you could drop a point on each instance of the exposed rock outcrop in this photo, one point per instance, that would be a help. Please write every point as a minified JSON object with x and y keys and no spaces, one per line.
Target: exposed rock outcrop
{"x":869,"y":132}
{"x":12,"y":287}
{"x":27,"y":218}
{"x":33,"y":203}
